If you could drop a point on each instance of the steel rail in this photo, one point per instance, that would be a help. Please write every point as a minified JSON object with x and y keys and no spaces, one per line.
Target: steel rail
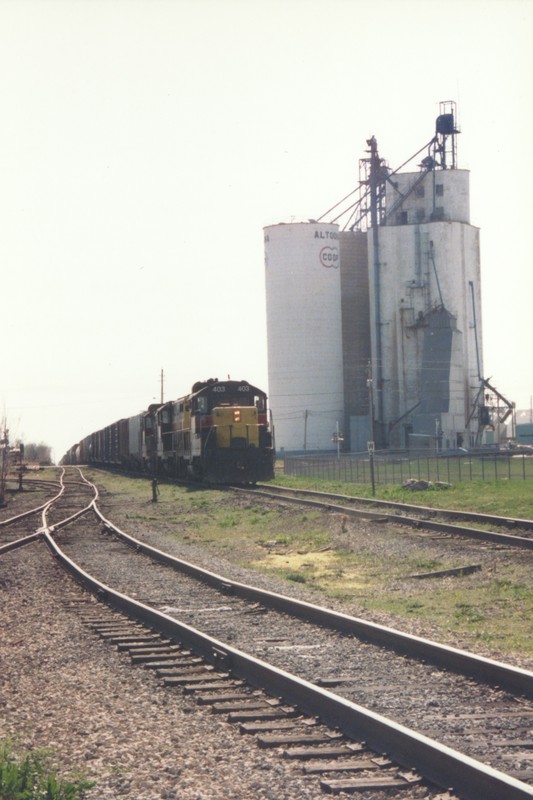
{"x":472,"y":516}
{"x":413,"y":522}
{"x":44,"y":509}
{"x":16,"y":543}
{"x":5,"y":522}
{"x":72,"y":517}
{"x":483,"y":669}
{"x":438,"y":763}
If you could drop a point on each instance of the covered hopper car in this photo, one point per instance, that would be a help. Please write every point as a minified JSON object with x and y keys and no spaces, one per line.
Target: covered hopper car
{"x":220,"y":433}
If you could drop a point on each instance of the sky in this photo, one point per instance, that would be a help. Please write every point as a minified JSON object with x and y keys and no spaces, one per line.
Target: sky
{"x":144,"y":145}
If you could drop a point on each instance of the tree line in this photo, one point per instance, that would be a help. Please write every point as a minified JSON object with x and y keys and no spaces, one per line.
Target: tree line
{"x":35,"y":453}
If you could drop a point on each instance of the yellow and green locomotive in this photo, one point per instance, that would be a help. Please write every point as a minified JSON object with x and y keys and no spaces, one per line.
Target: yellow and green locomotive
{"x":220,"y":433}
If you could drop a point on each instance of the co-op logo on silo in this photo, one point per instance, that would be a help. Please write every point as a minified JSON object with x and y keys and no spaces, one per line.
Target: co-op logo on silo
{"x":329,"y":257}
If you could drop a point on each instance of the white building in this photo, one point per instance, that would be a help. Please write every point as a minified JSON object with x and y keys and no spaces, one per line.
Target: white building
{"x":377,"y":332}
{"x":305,"y":371}
{"x":427,"y":366}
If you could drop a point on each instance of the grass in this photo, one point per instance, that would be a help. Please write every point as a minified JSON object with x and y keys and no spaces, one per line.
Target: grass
{"x":31,"y":776}
{"x":501,"y":498}
{"x":368,"y":568}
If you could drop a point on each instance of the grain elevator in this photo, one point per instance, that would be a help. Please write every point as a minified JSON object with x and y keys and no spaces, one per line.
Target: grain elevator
{"x":303,"y":297}
{"x":374,"y":322}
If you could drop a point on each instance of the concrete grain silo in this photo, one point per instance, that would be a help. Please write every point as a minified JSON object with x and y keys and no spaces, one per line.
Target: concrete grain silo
{"x":304,"y":333}
{"x":428,"y":264}
{"x":377,"y":328}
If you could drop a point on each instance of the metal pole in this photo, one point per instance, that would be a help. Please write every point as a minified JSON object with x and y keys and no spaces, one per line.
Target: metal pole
{"x":375,"y":177}
{"x":371,"y":444}
{"x":370,"y":387}
{"x":372,"y":475}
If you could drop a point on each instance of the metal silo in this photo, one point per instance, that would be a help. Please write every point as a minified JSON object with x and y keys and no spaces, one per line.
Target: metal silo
{"x":305,"y":358}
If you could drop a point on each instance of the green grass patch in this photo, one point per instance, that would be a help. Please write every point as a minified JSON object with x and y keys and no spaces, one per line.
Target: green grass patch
{"x":32,"y":776}
{"x":502,"y":498}
{"x":296,"y":577}
{"x":421,"y":564}
{"x":493,"y":611}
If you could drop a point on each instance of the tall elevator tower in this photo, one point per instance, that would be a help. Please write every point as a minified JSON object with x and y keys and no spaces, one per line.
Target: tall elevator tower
{"x":374,"y":323}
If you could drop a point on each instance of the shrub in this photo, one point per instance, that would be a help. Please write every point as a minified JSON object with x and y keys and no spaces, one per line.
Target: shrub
{"x":30,"y":776}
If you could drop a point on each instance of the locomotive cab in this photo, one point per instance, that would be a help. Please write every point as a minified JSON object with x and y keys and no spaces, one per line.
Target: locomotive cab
{"x":232,"y":442}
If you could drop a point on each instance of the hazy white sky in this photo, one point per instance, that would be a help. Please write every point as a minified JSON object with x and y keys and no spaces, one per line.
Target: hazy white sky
{"x":144,"y":144}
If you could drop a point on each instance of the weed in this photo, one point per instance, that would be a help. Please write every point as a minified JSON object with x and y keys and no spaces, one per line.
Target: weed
{"x":464,"y":612}
{"x":228,"y":521}
{"x":312,"y":540}
{"x":505,"y":587}
{"x":426,"y":564}
{"x":296,"y":577}
{"x":30,"y":776}
{"x":310,"y":516}
{"x":198,"y":503}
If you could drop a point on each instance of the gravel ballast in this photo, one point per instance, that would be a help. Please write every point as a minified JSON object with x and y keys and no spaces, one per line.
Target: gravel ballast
{"x":65,"y":689}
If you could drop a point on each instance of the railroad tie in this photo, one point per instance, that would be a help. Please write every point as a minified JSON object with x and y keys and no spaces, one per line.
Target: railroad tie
{"x":348,"y":765}
{"x":209,"y":686}
{"x":282,"y":712}
{"x":399,"y":781}
{"x":164,"y":664}
{"x":227,"y":697}
{"x":282,"y":740}
{"x":155,"y":655}
{"x":335,"y":751}
{"x":277,"y":725}
{"x":249,"y":704}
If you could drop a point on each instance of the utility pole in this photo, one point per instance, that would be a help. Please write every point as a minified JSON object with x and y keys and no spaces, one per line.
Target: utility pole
{"x":162,"y":383}
{"x":375,"y":186}
{"x":306,"y":414}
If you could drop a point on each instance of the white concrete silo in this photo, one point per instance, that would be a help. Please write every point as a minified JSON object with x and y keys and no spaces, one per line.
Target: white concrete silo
{"x":429,"y":263}
{"x":305,"y":358}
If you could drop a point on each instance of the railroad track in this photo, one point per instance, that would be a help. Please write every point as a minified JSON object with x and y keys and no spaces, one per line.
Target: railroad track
{"x":415,"y":516}
{"x":29,"y":505}
{"x":241,"y":628}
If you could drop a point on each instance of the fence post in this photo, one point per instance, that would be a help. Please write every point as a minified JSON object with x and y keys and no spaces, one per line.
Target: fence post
{"x":371,"y":447}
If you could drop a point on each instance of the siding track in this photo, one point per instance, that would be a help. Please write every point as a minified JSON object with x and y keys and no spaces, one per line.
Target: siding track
{"x":419,"y":517}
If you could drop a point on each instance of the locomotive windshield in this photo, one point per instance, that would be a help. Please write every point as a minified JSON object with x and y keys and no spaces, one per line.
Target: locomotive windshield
{"x":229,"y":393}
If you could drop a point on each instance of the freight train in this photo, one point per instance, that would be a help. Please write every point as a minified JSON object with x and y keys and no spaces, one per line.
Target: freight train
{"x":219,"y":433}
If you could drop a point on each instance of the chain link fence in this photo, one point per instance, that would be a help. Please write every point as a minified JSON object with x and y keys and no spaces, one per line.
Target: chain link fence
{"x":396,"y":468}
